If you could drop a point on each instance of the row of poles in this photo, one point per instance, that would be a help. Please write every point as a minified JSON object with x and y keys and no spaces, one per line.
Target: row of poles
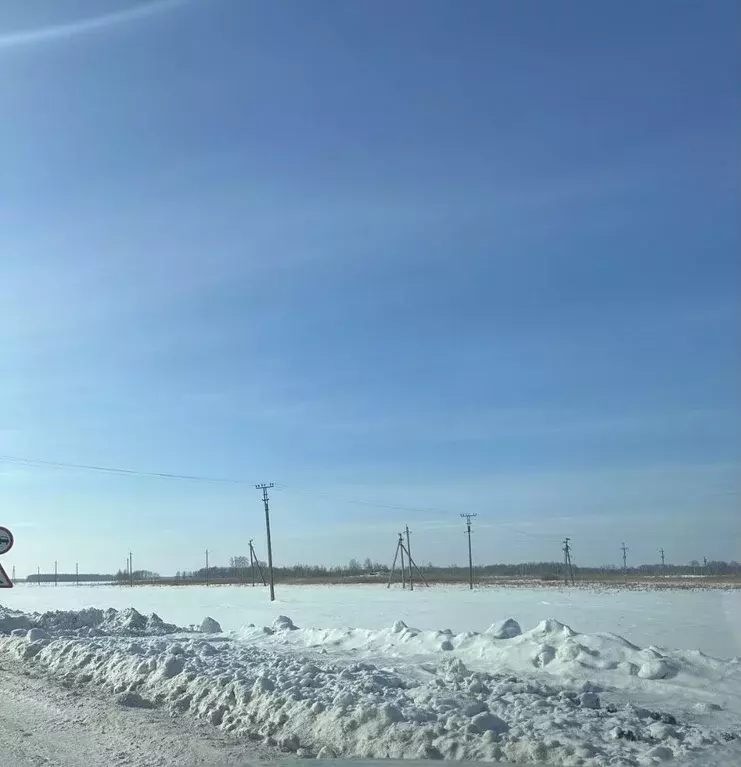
{"x":56,"y":573}
{"x":254,"y":566}
{"x":254,"y":561}
{"x":402,"y":550}
{"x":569,"y":569}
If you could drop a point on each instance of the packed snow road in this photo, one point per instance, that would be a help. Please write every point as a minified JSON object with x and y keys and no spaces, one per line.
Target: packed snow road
{"x":45,"y":724}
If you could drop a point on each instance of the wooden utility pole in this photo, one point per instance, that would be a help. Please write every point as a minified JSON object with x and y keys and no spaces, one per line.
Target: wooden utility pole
{"x":409,"y":552}
{"x":265,"y":500}
{"x":401,"y":550}
{"x":625,"y":560}
{"x":468,"y":518}
{"x":568,"y":570}
{"x":77,"y":573}
{"x":255,"y":562}
{"x":393,"y":565}
{"x":403,"y":566}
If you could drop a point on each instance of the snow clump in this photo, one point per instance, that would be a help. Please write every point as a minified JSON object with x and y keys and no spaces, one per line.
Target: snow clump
{"x":210,"y":626}
{"x":505,"y":629}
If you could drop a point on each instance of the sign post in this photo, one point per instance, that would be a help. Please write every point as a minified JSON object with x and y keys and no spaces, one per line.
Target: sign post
{"x":6,"y":544}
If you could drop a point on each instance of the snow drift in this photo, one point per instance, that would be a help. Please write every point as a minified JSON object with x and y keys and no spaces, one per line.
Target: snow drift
{"x":93,"y":622}
{"x":550,"y":646}
{"x":454,"y":696}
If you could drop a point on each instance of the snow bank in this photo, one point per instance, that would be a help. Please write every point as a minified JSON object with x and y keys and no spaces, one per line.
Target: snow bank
{"x":266,"y":684}
{"x":93,"y":622}
{"x":551,"y":646}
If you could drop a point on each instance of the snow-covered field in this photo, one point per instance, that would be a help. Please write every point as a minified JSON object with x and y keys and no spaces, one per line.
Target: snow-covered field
{"x":706,"y":620}
{"x":603,"y":677}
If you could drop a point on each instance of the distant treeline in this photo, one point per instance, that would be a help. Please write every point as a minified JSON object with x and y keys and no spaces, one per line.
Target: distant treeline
{"x":70,"y":578}
{"x":239,"y":570}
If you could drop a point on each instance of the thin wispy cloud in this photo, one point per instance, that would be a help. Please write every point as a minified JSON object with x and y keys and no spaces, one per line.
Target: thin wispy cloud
{"x":55,"y":32}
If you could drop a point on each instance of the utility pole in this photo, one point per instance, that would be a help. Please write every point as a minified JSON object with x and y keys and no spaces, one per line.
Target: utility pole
{"x":409,"y":553}
{"x":77,"y":573}
{"x":661,"y":551}
{"x":468,"y":518}
{"x":403,"y":566}
{"x":207,"y":567}
{"x":393,"y":564}
{"x":401,"y":549}
{"x":265,"y":500}
{"x":255,"y":562}
{"x":568,"y":570}
{"x":625,"y":560}
{"x":705,"y":565}
{"x":38,"y":574}
{"x":131,"y":569}
{"x":56,"y":577}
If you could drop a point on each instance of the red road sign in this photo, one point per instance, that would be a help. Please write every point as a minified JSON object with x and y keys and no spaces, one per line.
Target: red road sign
{"x":5,"y":582}
{"x":6,"y":540}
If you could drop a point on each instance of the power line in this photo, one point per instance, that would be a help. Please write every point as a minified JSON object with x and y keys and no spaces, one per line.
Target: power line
{"x":119,"y":471}
{"x":37,"y":462}
{"x":40,"y":463}
{"x":377,"y":505}
{"x":544,"y":537}
{"x":396,"y":507}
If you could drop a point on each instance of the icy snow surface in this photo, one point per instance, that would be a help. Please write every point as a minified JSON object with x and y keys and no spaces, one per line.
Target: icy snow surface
{"x":706,"y":620}
{"x":517,"y":689}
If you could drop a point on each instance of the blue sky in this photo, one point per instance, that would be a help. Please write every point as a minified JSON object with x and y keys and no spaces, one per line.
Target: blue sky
{"x":452,"y":256}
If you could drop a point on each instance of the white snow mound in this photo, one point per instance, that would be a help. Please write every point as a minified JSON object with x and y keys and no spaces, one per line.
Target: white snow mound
{"x":93,"y":622}
{"x":210,"y":626}
{"x":551,"y":646}
{"x":505,"y":629}
{"x":279,"y":685}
